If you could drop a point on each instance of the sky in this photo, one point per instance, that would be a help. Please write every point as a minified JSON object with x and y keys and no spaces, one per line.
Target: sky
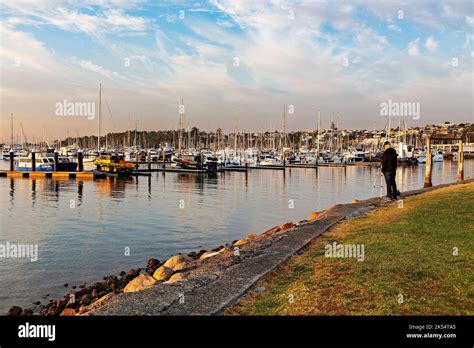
{"x":235,"y":64}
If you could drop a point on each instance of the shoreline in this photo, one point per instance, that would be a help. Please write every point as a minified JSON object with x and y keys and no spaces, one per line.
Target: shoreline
{"x":204,"y":282}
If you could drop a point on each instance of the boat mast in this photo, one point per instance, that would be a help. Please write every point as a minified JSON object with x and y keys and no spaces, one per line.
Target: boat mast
{"x":100,"y":106}
{"x":317,"y":147}
{"x":11,"y":147}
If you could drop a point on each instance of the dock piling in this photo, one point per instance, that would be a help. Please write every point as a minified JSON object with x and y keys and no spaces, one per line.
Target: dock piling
{"x":149,"y":160}
{"x":80,"y":161}
{"x":56,"y":160}
{"x":460,"y":162}
{"x":428,"y":164}
{"x":33,"y":160}
{"x":12,"y":160}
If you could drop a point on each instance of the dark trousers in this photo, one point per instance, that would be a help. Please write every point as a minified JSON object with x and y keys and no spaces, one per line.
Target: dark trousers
{"x":391,"y":184}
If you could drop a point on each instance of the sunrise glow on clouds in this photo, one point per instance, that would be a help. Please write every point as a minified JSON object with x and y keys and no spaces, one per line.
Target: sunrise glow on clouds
{"x":235,"y":62}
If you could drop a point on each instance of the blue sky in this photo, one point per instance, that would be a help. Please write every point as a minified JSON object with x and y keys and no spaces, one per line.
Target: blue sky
{"x":235,"y":63}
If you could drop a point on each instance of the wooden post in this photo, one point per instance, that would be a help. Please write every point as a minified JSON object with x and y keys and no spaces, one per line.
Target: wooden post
{"x":428,"y":164}
{"x":164,"y":157}
{"x":12,"y":160}
{"x":460,"y":162}
{"x":56,"y":160}
{"x":33,"y":161}
{"x":149,"y":160}
{"x":80,"y":162}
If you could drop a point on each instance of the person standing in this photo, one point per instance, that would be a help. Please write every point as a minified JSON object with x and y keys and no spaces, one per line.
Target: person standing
{"x":389,"y":170}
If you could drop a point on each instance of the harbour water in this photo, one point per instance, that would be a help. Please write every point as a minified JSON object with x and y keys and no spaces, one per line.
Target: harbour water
{"x":84,"y":229}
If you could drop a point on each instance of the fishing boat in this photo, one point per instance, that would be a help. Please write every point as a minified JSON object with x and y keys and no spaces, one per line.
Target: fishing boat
{"x":113,"y":165}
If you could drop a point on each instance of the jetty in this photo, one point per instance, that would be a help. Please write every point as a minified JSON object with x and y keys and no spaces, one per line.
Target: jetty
{"x":55,"y":175}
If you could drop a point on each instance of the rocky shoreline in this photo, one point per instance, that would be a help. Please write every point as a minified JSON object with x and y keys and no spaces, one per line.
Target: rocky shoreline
{"x":80,"y":301}
{"x":206,"y":281}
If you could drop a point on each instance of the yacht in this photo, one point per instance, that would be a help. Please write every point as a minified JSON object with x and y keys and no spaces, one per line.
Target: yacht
{"x":45,"y":163}
{"x":436,"y":156}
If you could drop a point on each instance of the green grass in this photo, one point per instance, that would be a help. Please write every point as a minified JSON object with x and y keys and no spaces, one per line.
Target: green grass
{"x":408,"y":252}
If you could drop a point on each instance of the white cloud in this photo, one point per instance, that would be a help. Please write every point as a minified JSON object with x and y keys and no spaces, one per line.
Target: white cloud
{"x":98,"y":69}
{"x":413,"y":47}
{"x":394,"y":28}
{"x":431,"y":44}
{"x":470,"y":20}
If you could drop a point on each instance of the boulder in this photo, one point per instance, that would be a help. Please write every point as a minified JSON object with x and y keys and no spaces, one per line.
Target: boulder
{"x":177,"y":277}
{"x":209,"y":254}
{"x":313,"y":216}
{"x":251,"y":236}
{"x":15,"y":310}
{"x":178,"y":262}
{"x":198,"y":255}
{"x":270,"y":231}
{"x":67,"y":312}
{"x":355,"y":201}
{"x":142,"y":282}
{"x":27,"y":312}
{"x":105,"y":297}
{"x":132,"y":274}
{"x":163,"y":273}
{"x":240,"y":242}
{"x":286,"y":226}
{"x":151,"y":265}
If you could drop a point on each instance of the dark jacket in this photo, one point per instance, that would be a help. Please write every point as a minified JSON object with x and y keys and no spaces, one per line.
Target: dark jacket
{"x":389,"y":160}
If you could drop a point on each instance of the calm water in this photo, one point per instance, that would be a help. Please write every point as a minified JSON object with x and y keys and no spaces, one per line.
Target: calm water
{"x":83,"y":227}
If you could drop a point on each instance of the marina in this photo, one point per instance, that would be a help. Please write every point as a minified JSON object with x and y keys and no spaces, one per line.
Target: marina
{"x":83,"y":226}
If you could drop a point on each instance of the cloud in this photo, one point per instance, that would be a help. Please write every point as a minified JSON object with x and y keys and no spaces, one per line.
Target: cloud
{"x":413,"y":47}
{"x":470,"y":20}
{"x":73,"y":17}
{"x":394,"y":28}
{"x":98,"y":69}
{"x":431,"y":44}
{"x":284,"y":59}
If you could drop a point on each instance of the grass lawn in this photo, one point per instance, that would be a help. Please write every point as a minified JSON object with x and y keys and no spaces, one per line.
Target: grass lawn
{"x":410,"y":264}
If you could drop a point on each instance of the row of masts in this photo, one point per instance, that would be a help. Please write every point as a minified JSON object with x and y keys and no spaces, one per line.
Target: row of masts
{"x":185,"y":139}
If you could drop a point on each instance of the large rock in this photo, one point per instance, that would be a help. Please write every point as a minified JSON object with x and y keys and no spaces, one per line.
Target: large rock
{"x":177,"y":277}
{"x":313,"y":216}
{"x":286,"y":226}
{"x":143,"y":281}
{"x":132,"y":274}
{"x":163,"y":273}
{"x":240,"y":242}
{"x":67,"y":312}
{"x":178,"y":262}
{"x":15,"y":310}
{"x":209,"y":254}
{"x":151,"y":265}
